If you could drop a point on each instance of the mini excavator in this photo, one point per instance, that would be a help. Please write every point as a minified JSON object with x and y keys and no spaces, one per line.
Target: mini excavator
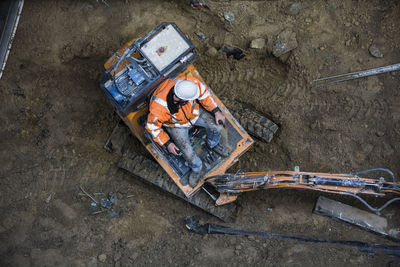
{"x":131,"y":76}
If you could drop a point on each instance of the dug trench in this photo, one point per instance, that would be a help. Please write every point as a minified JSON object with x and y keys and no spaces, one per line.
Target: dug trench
{"x":55,"y":121}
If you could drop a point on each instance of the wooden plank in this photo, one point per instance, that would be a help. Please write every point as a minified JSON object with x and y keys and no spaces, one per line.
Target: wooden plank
{"x":365,"y":220}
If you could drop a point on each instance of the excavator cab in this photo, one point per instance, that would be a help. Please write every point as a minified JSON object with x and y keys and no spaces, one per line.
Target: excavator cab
{"x":135,"y":71}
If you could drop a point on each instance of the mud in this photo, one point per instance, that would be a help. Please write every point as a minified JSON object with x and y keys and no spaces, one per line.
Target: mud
{"x":55,"y":121}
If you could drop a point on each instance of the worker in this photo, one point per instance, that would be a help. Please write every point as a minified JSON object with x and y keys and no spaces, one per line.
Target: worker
{"x":175,"y":105}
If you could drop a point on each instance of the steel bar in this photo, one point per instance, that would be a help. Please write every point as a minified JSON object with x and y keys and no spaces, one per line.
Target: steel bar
{"x":359,"y":74}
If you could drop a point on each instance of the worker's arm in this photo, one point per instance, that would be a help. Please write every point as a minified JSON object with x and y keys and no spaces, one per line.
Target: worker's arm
{"x":209,"y":104}
{"x":154,"y":127}
{"x":206,"y":99}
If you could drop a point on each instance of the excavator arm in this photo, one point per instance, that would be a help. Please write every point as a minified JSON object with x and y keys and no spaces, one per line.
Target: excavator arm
{"x":231,"y":185}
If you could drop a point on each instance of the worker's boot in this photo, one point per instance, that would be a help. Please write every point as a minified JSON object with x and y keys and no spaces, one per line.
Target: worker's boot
{"x":221,"y":150}
{"x":194,"y":178}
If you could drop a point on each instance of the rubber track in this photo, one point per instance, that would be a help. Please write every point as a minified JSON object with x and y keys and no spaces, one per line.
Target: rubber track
{"x":253,"y":122}
{"x":153,"y":173}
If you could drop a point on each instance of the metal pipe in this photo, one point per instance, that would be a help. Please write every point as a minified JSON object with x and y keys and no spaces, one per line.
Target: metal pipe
{"x":360,"y":74}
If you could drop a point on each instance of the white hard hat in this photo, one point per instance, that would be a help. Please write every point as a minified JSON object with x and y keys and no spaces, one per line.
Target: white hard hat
{"x":186,"y":90}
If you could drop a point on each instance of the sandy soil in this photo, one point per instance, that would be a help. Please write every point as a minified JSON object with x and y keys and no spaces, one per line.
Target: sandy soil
{"x":55,"y":120}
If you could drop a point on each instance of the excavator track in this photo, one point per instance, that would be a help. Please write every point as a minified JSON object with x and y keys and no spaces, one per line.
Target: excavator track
{"x":253,"y":122}
{"x":120,"y":142}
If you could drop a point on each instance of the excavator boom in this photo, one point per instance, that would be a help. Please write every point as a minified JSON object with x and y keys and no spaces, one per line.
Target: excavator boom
{"x":230,"y":185}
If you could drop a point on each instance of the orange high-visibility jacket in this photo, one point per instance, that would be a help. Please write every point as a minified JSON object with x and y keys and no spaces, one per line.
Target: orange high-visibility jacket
{"x":161,"y":115}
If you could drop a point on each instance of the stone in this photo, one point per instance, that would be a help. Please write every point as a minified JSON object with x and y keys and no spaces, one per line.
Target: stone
{"x":102,"y":257}
{"x":374,"y":51}
{"x":229,"y":16}
{"x":285,"y":42}
{"x":258,"y":43}
{"x":293,"y":9}
{"x":212,"y":51}
{"x":308,"y":20}
{"x":380,"y":133}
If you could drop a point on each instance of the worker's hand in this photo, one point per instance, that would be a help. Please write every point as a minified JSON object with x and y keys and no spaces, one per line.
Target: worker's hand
{"x":219,"y":117}
{"x":173,"y":149}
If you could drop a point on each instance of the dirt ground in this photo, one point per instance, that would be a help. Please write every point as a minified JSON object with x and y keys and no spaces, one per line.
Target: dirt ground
{"x":55,"y":120}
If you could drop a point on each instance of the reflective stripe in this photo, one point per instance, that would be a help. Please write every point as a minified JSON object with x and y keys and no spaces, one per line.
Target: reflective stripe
{"x":202,"y":87}
{"x":159,"y":101}
{"x":188,"y":124}
{"x":212,"y":100}
{"x":196,"y":111}
{"x":206,"y":94}
{"x":156,"y":133}
{"x":159,"y":140}
{"x":152,"y":127}
{"x":174,"y":119}
{"x":155,"y":119}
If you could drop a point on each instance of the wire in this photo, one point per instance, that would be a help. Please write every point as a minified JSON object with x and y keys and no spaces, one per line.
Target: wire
{"x":376,"y":169}
{"x":376,"y":210}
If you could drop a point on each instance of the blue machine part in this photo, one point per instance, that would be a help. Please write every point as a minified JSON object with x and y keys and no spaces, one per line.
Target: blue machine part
{"x":128,"y":89}
{"x":136,"y":76}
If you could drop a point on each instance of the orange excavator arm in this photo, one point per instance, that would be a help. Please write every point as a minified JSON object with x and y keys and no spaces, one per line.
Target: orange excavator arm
{"x":231,"y":185}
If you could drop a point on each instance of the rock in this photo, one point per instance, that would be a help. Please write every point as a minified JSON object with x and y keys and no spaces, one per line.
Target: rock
{"x":285,"y":42}
{"x":347,"y":24}
{"x":380,"y":133}
{"x":348,"y":42}
{"x":102,"y":257}
{"x":308,"y":20}
{"x":374,"y":51}
{"x":229,"y":16}
{"x":293,"y":9}
{"x":212,"y":51}
{"x":257,"y":43}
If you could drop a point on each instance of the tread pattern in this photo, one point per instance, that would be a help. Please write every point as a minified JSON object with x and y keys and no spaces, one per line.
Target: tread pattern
{"x":254,"y":123}
{"x":151,"y":172}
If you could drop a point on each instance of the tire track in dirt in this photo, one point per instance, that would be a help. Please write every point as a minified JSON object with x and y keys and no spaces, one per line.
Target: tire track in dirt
{"x":258,"y":82}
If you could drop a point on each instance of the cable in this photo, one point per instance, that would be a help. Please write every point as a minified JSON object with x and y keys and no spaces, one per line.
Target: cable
{"x":376,"y":210}
{"x":376,"y":169}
